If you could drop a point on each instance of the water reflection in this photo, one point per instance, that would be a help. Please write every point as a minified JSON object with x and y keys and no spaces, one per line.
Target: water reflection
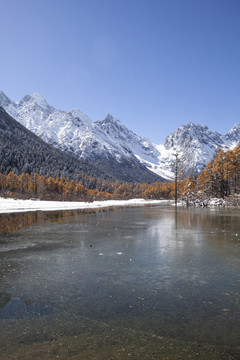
{"x":15,"y":221}
{"x":105,"y":282}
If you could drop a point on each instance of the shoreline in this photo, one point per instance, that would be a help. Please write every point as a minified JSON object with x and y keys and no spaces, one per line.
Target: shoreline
{"x":10,"y":205}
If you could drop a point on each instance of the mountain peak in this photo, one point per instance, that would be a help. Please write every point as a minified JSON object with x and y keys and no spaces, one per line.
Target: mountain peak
{"x":34,"y":98}
{"x":110,"y":118}
{"x":4,"y":100}
{"x":234,"y":128}
{"x":110,"y":123}
{"x":192,"y":135}
{"x":191,"y":125}
{"x":111,"y":140}
{"x":234,"y":133}
{"x":37,"y":97}
{"x":80,"y":117}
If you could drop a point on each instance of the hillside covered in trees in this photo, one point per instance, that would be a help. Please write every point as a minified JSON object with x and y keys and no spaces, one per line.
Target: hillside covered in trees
{"x":23,"y":151}
{"x":220,"y":178}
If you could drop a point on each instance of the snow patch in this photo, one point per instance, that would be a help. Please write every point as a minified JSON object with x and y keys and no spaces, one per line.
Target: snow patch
{"x":18,"y":205}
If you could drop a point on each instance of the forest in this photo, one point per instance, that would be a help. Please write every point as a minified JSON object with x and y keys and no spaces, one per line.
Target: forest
{"x":220,"y":178}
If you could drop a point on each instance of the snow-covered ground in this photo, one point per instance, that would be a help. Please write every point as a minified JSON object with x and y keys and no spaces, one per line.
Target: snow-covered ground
{"x":16,"y":205}
{"x":213,"y":202}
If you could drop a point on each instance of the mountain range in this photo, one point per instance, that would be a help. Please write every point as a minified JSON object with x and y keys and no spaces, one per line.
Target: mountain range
{"x":21,"y":151}
{"x":110,"y":146}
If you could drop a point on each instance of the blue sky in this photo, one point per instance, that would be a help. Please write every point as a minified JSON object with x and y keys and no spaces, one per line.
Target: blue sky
{"x":154,"y":64}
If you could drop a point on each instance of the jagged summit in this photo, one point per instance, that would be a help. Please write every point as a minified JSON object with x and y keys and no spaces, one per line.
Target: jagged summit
{"x":4,"y":100}
{"x":112,"y":145}
{"x":109,"y":117}
{"x":233,"y":133}
{"x":23,"y":151}
{"x":80,"y":118}
{"x":235,"y":126}
{"x":34,"y":99}
{"x":25,"y":99}
{"x":185,"y":134}
{"x":75,"y":133}
{"x":114,"y":127}
{"x":110,"y":120}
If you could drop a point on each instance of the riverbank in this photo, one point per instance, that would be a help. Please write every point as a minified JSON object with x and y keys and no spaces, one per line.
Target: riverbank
{"x":212,"y":202}
{"x":17,"y":205}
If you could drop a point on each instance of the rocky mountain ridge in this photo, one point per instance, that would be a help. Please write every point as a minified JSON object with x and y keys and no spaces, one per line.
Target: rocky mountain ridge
{"x":21,"y":151}
{"x":110,"y":144}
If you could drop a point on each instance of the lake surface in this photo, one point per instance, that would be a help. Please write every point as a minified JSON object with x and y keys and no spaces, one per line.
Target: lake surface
{"x":133,"y":283}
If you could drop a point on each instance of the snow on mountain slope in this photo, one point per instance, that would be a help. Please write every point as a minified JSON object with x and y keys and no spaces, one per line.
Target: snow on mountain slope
{"x":133,"y":145}
{"x":233,"y":136}
{"x":76,"y":133}
{"x":127,"y":141}
{"x":73,"y":131}
{"x":196,"y":145}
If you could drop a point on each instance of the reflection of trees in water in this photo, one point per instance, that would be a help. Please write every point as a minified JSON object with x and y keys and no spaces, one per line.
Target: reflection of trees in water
{"x":201,"y":219}
{"x":205,"y":219}
{"x":15,"y":221}
{"x":12,"y":222}
{"x":218,"y":225}
{"x":194,"y":219}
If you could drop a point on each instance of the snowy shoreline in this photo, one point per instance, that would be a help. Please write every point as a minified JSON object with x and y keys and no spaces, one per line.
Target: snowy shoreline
{"x":213,"y":202}
{"x":17,"y":205}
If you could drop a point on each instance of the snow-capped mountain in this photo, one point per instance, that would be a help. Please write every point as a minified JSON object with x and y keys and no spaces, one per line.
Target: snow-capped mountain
{"x":196,"y":144}
{"x":73,"y":131}
{"x":22,"y":151}
{"x":76,"y":134}
{"x":109,"y":142}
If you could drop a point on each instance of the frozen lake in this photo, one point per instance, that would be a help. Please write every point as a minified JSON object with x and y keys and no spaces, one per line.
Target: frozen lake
{"x":123,"y":283}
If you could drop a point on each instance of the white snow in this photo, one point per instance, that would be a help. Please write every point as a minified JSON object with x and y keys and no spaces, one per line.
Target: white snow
{"x":16,"y":205}
{"x":76,"y":132}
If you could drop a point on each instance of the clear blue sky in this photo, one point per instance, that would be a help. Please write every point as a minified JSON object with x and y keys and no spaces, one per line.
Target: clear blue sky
{"x":154,"y":64}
